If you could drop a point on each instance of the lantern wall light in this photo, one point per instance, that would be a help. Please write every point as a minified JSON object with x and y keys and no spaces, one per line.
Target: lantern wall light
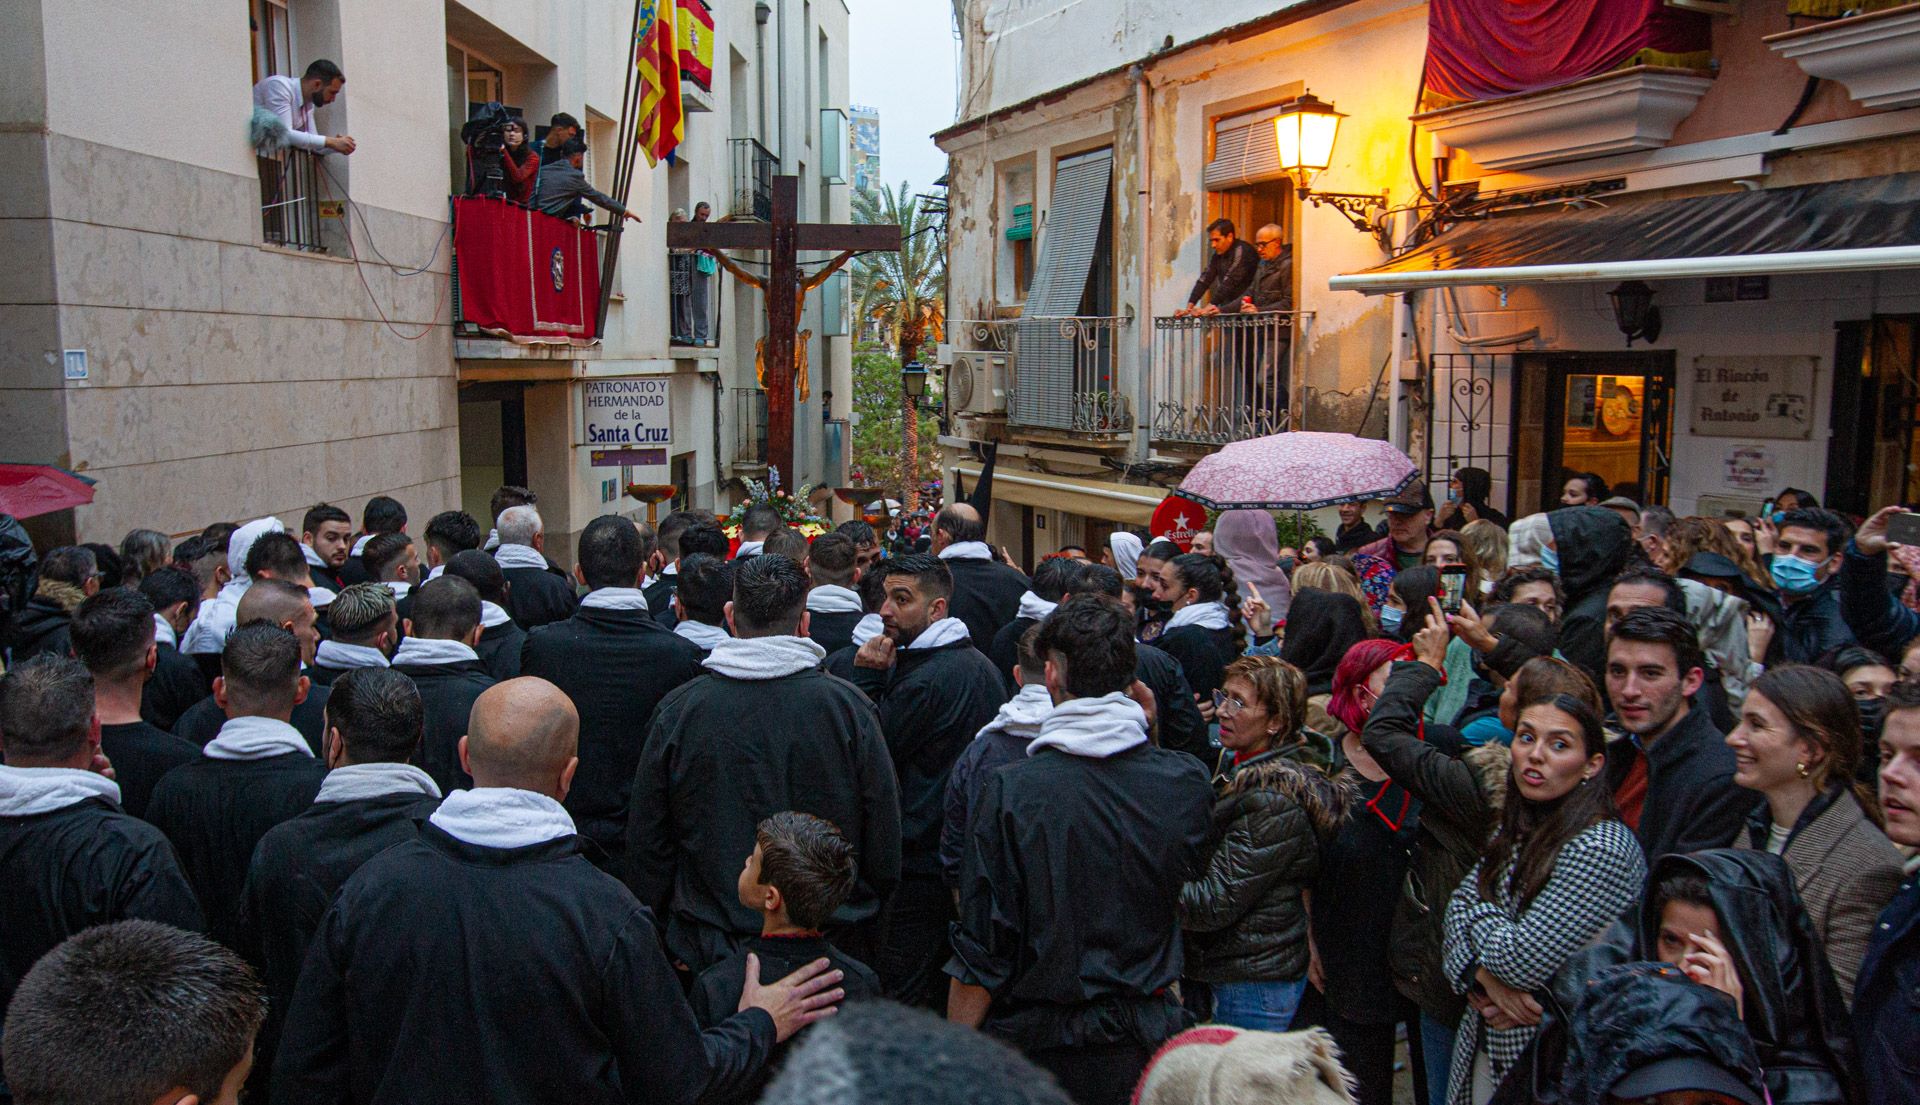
{"x":1304,"y":134}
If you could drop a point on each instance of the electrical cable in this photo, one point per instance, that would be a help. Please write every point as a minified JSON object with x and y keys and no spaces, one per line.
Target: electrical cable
{"x":359,"y":268}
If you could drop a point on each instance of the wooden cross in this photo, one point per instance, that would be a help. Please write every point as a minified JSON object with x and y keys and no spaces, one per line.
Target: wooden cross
{"x":784,"y":237}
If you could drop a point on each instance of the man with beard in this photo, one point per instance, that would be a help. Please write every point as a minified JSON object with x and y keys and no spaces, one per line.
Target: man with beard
{"x":935,"y":691}
{"x":326,"y":537}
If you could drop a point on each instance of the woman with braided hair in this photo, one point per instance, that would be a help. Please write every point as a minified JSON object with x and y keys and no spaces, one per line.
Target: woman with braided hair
{"x":1205,"y":632}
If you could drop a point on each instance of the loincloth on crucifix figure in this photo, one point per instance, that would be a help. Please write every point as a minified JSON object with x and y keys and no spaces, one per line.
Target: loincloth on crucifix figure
{"x":801,"y":342}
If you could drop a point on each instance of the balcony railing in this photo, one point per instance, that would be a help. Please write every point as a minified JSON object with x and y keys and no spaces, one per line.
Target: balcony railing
{"x":750,"y":428}
{"x":693,"y":301}
{"x":1066,"y":374}
{"x":1220,"y":378}
{"x":754,"y":167}
{"x":290,"y":200}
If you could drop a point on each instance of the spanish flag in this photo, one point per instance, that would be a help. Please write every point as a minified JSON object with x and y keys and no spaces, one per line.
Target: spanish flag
{"x":657,"y":55}
{"x":695,"y":23}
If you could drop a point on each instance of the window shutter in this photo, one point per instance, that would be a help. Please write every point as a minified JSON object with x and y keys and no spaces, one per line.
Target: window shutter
{"x":1243,"y":152}
{"x":1043,"y":394}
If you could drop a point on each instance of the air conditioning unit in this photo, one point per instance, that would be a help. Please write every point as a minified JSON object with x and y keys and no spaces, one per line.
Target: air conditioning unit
{"x":977,"y":381}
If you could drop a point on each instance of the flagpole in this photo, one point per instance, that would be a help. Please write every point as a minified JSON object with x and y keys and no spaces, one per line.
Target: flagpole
{"x":624,"y":157}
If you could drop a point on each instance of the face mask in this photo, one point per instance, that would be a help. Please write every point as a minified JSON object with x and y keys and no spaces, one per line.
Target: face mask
{"x":1794,"y":575}
{"x":1550,"y":559}
{"x":1390,"y":618}
{"x":1452,"y":495}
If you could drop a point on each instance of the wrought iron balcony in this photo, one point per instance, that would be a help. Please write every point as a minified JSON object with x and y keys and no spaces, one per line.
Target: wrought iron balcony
{"x":754,"y":167}
{"x":1066,"y":375}
{"x":1220,"y":378}
{"x":693,"y":301}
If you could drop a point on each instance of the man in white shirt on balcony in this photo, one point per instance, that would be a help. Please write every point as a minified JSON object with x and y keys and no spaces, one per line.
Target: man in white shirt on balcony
{"x":293,"y":102}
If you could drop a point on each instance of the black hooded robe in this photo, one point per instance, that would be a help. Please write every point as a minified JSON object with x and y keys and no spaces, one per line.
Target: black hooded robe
{"x":141,"y":754}
{"x":202,"y":723}
{"x":175,"y":687}
{"x":537,"y":597}
{"x":1593,"y":543}
{"x":986,"y":596}
{"x":447,"y":693}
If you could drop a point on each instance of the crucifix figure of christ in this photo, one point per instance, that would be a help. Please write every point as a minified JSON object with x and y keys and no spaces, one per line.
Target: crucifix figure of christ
{"x":784,"y":237}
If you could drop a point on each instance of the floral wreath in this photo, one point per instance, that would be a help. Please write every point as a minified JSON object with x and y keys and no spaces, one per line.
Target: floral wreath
{"x":794,"y":510}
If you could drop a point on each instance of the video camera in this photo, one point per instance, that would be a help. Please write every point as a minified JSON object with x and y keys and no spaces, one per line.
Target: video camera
{"x":485,"y":137}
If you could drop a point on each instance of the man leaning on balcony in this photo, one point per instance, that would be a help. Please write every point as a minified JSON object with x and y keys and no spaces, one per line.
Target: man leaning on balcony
{"x":1272,"y":292}
{"x":563,"y":189}
{"x":293,"y":102}
{"x":1228,"y":275}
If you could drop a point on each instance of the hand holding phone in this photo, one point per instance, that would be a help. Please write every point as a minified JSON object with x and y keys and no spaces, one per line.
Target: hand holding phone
{"x":1453,"y":588}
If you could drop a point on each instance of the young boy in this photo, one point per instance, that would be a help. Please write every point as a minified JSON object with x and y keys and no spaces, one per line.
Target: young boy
{"x":133,"y":1011}
{"x":801,"y":870}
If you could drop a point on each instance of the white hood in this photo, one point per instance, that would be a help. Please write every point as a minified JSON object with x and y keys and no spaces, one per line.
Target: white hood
{"x":502,"y":817}
{"x":1093,"y":727}
{"x":759,"y":658}
{"x":26,"y":791}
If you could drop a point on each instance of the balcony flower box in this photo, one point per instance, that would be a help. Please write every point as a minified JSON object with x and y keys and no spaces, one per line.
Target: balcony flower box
{"x":1876,"y":55}
{"x":1631,"y":109}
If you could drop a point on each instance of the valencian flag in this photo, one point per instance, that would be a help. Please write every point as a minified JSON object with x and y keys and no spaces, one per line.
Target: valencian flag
{"x":657,"y":55}
{"x":695,"y":26}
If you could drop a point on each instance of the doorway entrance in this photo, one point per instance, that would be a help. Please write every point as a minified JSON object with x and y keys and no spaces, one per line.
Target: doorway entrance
{"x":493,"y":444}
{"x":1605,"y":413}
{"x":1876,"y":415}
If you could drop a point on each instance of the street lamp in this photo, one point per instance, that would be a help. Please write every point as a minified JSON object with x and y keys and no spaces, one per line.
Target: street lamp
{"x":1634,"y":312}
{"x":913,"y":378}
{"x":1303,"y":134}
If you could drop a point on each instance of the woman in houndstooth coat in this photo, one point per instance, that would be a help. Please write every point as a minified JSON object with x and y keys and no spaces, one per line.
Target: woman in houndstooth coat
{"x":1561,"y":868}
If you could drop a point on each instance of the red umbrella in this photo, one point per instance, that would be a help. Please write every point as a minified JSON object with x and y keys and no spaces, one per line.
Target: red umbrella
{"x":27,"y":490}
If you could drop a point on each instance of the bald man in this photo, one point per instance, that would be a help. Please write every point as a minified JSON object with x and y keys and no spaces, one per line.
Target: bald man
{"x":986,"y":592}
{"x":487,"y":960}
{"x":287,"y":605}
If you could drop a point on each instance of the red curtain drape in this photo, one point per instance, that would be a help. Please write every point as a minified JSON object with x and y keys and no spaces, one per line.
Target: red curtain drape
{"x":1483,"y":49}
{"x":524,"y":275}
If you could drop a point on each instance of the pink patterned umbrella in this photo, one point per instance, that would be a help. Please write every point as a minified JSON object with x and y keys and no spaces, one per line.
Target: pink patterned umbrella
{"x":1297,"y":471}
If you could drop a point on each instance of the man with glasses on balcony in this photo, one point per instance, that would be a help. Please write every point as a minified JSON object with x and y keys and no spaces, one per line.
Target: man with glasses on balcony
{"x":1265,"y":374}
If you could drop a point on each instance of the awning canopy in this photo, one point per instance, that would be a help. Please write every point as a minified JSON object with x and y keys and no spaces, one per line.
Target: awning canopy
{"x":1127,"y":504}
{"x":1869,"y":223}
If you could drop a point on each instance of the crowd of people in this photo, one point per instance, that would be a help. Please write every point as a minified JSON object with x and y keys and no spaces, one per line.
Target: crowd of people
{"x":1595,"y":805}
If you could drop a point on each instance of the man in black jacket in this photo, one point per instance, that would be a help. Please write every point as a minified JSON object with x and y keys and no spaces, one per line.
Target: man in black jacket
{"x":1092,"y":835}
{"x":326,"y":539}
{"x":363,"y":625}
{"x":766,"y":731}
{"x":833,"y":606}
{"x":537,"y":594}
{"x":1055,"y":579}
{"x":616,"y":664}
{"x":935,"y":691}
{"x":275,"y":602}
{"x":486,"y":960}
{"x":665,"y":569}
{"x":258,"y":772}
{"x":177,"y":681}
{"x":383,"y":514}
{"x":1228,"y":275}
{"x":68,"y":575}
{"x":986,"y":592}
{"x":501,"y":639}
{"x":1591,"y":545}
{"x":371,"y":799}
{"x":1807,"y":555}
{"x":1672,"y":774}
{"x":448,"y":534}
{"x":113,"y":635}
{"x":69,"y":858}
{"x":438,"y":655}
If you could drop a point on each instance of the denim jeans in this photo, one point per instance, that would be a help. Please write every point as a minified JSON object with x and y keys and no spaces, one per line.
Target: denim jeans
{"x":1436,"y":1047}
{"x":1265,"y":1006}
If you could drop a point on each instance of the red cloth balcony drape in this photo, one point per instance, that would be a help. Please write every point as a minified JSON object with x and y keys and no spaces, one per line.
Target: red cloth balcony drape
{"x":525,"y":276}
{"x":1483,"y":49}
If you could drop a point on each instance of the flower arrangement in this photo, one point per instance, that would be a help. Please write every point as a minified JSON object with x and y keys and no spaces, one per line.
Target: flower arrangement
{"x":794,"y":509}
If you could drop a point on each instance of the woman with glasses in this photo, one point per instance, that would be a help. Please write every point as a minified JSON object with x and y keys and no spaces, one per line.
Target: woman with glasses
{"x":1246,"y":915}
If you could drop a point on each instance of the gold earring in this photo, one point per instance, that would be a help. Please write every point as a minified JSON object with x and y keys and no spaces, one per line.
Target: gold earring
{"x":1802,"y":766}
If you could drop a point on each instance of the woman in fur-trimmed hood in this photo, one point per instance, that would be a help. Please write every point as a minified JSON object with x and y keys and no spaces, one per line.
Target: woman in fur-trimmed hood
{"x":1245,"y":916}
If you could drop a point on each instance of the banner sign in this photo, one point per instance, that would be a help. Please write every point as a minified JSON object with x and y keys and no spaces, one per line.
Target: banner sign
{"x":525,"y":276}
{"x":628,"y":422}
{"x":1753,"y":397}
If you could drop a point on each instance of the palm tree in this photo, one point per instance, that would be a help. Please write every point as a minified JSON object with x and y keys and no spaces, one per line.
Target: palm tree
{"x":903,"y":294}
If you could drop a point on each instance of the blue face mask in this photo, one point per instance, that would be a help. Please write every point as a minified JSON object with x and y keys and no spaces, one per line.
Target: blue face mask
{"x":1452,"y":495}
{"x":1550,"y":559}
{"x":1390,"y":618}
{"x":1794,"y":575}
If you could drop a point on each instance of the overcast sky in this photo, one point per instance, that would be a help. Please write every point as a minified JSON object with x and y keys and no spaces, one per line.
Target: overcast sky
{"x":903,"y":62}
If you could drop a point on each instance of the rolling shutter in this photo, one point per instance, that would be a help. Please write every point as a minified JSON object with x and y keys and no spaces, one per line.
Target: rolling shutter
{"x":1243,"y":152}
{"x":1043,"y":394}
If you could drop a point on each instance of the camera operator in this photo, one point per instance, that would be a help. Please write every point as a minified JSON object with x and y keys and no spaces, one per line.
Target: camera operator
{"x":519,"y":162}
{"x":485,"y":138}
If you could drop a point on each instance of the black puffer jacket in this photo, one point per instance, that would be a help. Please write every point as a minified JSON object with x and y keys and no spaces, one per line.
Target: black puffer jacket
{"x":1244,"y":916}
{"x":1461,"y":791}
{"x":1593,"y":543}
